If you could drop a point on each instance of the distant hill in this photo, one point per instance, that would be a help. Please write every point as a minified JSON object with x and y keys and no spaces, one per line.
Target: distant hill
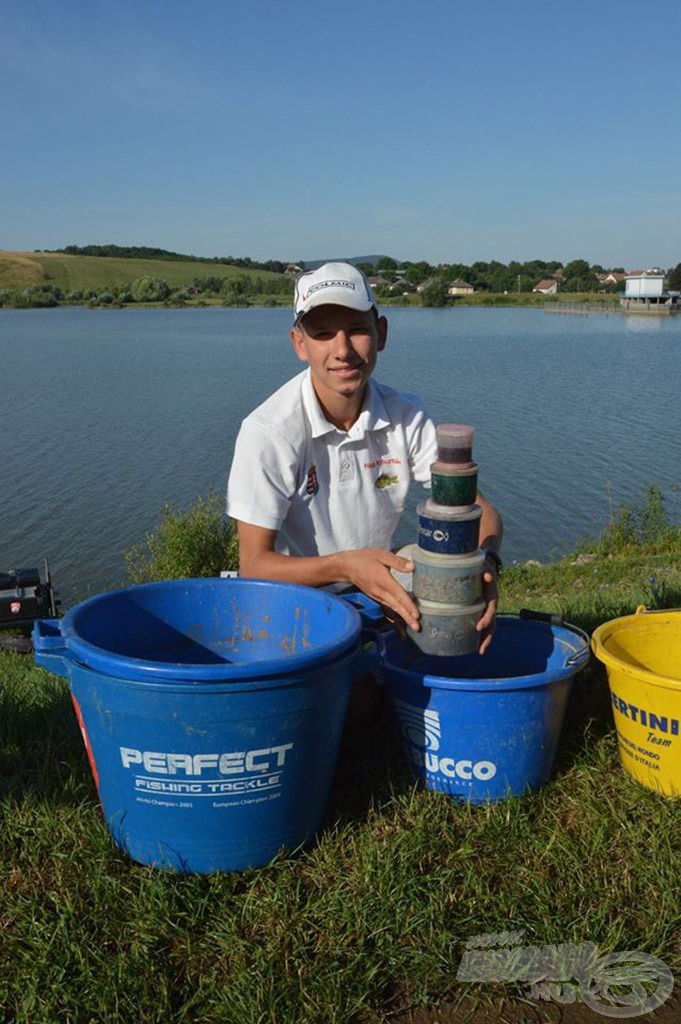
{"x":70,"y":273}
{"x":145,"y":252}
{"x":313,"y":264}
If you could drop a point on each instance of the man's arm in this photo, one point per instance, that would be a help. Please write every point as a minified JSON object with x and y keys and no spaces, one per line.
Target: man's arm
{"x":368,"y":569}
{"x":491,"y":533}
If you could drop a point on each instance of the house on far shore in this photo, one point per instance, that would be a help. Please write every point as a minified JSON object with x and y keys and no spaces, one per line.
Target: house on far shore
{"x":547,"y":287}
{"x":428,"y":283}
{"x":402,"y":286}
{"x":460,"y":288}
{"x":611,"y":277}
{"x":398,"y":287}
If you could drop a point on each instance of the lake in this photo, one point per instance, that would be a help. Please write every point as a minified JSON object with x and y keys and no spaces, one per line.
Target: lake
{"x":107,"y":414}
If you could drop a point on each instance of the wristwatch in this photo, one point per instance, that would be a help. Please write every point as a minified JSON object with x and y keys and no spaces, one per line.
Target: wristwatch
{"x":496,"y":558}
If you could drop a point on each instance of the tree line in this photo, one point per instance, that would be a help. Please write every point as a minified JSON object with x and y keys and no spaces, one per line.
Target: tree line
{"x":493,"y":276}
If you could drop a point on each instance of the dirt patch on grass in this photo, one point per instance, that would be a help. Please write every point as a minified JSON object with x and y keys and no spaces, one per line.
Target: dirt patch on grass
{"x":19,"y":271}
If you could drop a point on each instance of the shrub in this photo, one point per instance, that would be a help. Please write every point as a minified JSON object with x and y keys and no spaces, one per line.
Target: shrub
{"x":33,"y":298}
{"x":149,"y":289}
{"x":642,"y":524}
{"x":241,"y":285}
{"x":207,"y":284}
{"x":199,"y":542}
{"x":435,"y":294}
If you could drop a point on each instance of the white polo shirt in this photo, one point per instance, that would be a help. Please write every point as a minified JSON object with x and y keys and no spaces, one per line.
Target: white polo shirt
{"x":322,"y":489}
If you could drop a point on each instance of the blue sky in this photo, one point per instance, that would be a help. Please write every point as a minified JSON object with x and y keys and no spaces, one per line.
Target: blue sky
{"x":438,"y":130}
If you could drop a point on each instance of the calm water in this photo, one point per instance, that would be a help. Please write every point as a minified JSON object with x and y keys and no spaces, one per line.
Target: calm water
{"x":106,"y":415}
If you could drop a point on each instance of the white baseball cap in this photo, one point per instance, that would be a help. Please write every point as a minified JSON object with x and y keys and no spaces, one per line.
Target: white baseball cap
{"x":340,"y":284}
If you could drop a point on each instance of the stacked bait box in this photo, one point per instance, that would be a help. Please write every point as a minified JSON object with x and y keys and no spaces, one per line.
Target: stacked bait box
{"x":448,"y":567}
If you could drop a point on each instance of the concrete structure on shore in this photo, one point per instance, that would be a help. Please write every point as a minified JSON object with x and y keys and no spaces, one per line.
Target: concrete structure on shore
{"x":644,"y":293}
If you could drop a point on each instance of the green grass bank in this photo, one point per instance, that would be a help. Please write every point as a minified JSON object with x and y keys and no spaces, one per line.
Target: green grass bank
{"x":375,"y":915}
{"x":82,"y":273}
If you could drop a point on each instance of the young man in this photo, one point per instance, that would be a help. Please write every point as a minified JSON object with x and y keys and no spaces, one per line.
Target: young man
{"x":322,"y":468}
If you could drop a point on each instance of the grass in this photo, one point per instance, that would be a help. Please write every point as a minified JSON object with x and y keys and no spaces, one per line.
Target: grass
{"x":19,"y":270}
{"x":512,"y":299}
{"x":531,"y":299}
{"x":81,"y":273}
{"x":375,"y":915}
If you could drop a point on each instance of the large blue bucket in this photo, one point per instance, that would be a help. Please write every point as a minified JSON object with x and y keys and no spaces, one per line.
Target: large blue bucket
{"x":485,"y":727}
{"x":211,"y":710}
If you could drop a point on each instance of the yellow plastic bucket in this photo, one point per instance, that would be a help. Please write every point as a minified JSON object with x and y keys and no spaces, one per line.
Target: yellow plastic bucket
{"x":642,"y":654}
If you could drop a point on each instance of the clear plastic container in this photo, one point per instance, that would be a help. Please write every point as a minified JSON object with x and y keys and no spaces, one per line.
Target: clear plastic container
{"x":447,"y":630}
{"x":448,"y":579}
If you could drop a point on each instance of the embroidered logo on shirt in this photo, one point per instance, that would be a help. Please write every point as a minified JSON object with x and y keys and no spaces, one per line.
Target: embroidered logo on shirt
{"x":385,"y":481}
{"x":386,"y":461}
{"x":312,"y":483}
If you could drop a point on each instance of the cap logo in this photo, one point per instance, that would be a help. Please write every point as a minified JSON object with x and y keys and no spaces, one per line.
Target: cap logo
{"x":328,"y":284}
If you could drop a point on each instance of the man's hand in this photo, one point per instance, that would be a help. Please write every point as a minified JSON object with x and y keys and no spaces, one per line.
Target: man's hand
{"x":369,"y":570}
{"x":486,"y":625}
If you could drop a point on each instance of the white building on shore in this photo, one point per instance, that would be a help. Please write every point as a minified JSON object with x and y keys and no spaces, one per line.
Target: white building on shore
{"x":644,"y":293}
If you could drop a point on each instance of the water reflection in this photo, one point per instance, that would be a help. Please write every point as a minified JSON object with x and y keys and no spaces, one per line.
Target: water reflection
{"x":645,"y":323}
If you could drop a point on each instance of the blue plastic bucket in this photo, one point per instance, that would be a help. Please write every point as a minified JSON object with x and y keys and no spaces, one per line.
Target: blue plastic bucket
{"x":485,"y":727}
{"x":211,"y":710}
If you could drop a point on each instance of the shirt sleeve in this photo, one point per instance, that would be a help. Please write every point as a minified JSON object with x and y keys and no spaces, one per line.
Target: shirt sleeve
{"x":422,"y":442}
{"x":262,"y":480}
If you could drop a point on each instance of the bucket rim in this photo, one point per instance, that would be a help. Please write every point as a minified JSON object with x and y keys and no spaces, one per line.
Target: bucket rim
{"x":204,"y":686}
{"x":574,"y":645}
{"x":122,"y":666}
{"x":639,"y":620}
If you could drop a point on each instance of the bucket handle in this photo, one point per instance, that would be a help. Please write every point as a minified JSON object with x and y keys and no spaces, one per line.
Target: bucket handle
{"x":641,"y":609}
{"x":372,"y":651}
{"x":579,"y":657}
{"x":370,"y":610}
{"x":50,"y":648}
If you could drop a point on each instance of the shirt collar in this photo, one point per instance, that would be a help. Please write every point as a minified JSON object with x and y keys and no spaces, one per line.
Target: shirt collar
{"x":374,"y":415}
